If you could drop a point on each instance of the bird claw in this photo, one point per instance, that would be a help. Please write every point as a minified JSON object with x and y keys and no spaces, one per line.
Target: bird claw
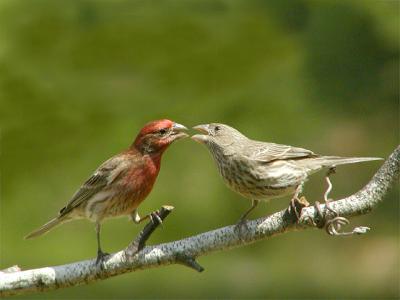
{"x":154,"y":217}
{"x":239,"y":228}
{"x":101,"y":258}
{"x":296,"y":207}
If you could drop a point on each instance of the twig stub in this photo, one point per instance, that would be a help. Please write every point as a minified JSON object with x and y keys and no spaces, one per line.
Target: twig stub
{"x":189,"y":262}
{"x":84,"y":272}
{"x":138,"y":244}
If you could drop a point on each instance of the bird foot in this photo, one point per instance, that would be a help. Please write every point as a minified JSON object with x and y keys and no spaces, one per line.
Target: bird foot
{"x":155,"y":218}
{"x":101,"y":257}
{"x":240,"y":226}
{"x":296,"y":206}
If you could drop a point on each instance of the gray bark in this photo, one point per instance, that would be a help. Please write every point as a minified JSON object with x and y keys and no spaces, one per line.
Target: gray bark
{"x":185,"y":251}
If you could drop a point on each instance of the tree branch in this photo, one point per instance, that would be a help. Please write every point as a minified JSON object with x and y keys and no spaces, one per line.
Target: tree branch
{"x":186,"y":250}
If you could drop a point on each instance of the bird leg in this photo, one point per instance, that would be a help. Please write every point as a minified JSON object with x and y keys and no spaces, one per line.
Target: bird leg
{"x":254,"y":204}
{"x":334,"y":225}
{"x":101,"y":256}
{"x":242,"y":221}
{"x":295,"y":199}
{"x":153,"y":216}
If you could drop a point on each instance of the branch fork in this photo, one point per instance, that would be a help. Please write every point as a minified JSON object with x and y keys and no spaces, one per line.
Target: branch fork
{"x":139,"y":243}
{"x":138,"y":257}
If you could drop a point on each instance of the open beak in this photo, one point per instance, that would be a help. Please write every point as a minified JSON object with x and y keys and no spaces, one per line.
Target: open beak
{"x":202,"y":128}
{"x":201,"y":138}
{"x":178,"y":131}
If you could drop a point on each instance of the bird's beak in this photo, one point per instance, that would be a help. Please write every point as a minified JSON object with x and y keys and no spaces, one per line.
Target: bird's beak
{"x":204,"y":128}
{"x":201,"y":138}
{"x":178,"y":131}
{"x":176,"y":127}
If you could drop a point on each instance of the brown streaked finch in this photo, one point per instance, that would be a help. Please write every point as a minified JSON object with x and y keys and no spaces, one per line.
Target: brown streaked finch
{"x":262,"y":171}
{"x":121,"y":183}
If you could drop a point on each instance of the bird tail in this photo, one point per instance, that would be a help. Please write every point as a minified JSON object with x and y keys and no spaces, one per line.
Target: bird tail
{"x":318,"y":163}
{"x":331,"y":161}
{"x":47,"y":227}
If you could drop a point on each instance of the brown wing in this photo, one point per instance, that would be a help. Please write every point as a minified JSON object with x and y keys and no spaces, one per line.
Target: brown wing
{"x":101,"y":178}
{"x":267,"y":152}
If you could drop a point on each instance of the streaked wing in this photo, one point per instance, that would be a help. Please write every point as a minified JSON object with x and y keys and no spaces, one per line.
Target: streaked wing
{"x":268,"y":152}
{"x":100,"y":179}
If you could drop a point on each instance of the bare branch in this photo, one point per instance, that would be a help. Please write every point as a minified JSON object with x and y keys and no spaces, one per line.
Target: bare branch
{"x":139,"y":243}
{"x":186,"y":250}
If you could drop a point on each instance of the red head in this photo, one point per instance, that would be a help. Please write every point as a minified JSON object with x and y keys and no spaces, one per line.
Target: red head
{"x":156,"y":136}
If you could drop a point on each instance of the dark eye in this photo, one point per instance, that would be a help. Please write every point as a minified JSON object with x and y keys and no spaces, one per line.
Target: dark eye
{"x":217,"y":128}
{"x":162,"y":131}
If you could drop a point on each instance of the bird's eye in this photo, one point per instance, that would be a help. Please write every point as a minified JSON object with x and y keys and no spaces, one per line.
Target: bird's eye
{"x":217,"y":128}
{"x":162,"y":131}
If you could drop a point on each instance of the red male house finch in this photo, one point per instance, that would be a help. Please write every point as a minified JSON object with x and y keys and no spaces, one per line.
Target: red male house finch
{"x":122,"y":182}
{"x":259,"y":170}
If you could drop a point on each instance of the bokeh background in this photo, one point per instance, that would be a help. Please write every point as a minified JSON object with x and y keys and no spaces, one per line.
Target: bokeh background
{"x":79,"y":78}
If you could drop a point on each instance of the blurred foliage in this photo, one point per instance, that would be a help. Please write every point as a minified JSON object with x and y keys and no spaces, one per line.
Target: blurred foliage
{"x":79,"y":78}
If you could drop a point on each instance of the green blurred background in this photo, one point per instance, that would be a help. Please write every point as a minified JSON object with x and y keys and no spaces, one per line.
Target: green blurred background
{"x":78,"y":79}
